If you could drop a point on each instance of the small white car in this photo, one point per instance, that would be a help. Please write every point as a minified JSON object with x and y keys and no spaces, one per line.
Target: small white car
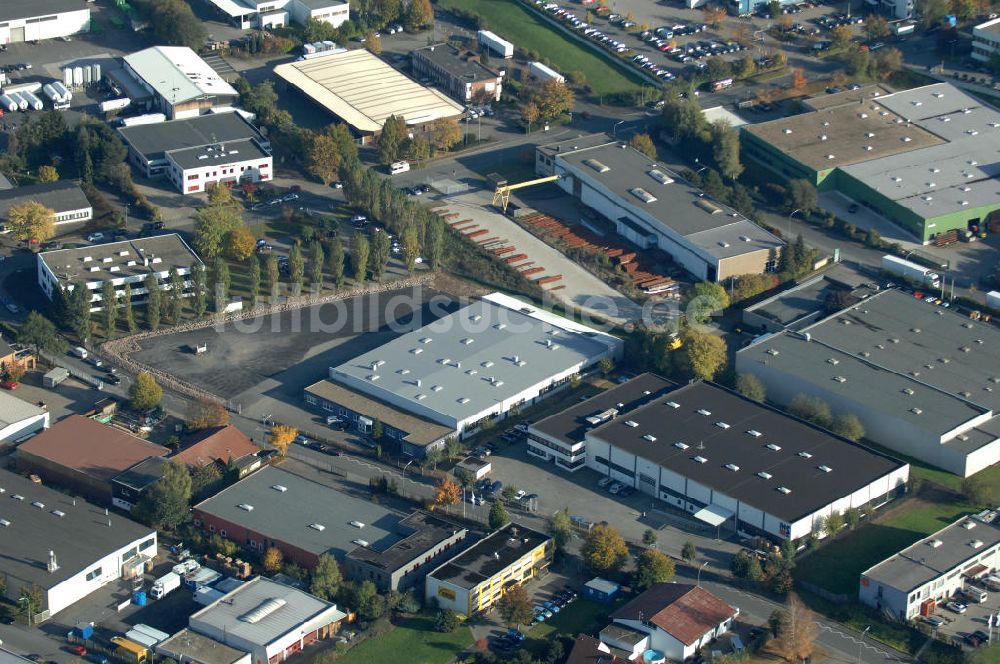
{"x":957,"y":607}
{"x":95,"y":237}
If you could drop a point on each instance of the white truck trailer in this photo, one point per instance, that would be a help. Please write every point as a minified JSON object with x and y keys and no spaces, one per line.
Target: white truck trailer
{"x":164,"y":585}
{"x":912,"y":271}
{"x":497,"y":46}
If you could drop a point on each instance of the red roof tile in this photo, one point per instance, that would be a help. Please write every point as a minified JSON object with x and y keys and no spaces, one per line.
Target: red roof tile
{"x":588,"y":650}
{"x":684,"y":611}
{"x":220,"y":443}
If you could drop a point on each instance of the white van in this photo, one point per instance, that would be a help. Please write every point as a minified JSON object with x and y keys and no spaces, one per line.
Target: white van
{"x":975,"y":595}
{"x":80,"y":352}
{"x":399,"y":167}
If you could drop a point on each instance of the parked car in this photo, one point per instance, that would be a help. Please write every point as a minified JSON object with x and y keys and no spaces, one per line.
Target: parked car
{"x":957,"y":607}
{"x":80,"y":651}
{"x":551,"y":606}
{"x":8,"y":385}
{"x":95,"y":237}
{"x":111,"y":378}
{"x":934,"y":621}
{"x":603,"y":482}
{"x":615,"y":488}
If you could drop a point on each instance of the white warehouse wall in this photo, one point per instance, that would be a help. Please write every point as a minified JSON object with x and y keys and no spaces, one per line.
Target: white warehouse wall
{"x":77,"y":586}
{"x":58,"y":25}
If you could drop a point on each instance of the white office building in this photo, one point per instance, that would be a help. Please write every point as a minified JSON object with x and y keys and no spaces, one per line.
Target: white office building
{"x":247,"y":14}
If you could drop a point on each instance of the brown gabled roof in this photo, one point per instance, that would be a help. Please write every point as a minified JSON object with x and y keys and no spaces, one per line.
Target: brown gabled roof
{"x":588,"y":650}
{"x":90,"y":447}
{"x":216,"y":444}
{"x":681,"y":610}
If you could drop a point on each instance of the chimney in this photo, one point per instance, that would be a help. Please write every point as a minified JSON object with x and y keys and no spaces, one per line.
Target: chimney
{"x":52,"y":565}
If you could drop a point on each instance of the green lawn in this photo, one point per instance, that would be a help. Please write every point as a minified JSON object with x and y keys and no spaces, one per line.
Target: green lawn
{"x":414,"y":641}
{"x":837,"y":566}
{"x":519,"y":24}
{"x":581,"y":617}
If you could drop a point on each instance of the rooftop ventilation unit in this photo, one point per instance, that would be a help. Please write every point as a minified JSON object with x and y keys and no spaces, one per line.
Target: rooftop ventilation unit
{"x":279,"y":488}
{"x":764,"y":475}
{"x":642,"y":195}
{"x":825,"y":468}
{"x":464,"y":400}
{"x":916,"y":411}
{"x":834,"y":361}
{"x":831,"y":156}
{"x":934,"y":543}
{"x":772,"y":351}
{"x":4,"y":523}
{"x":317,"y":526}
{"x":596,"y":165}
{"x":426,"y":340}
{"x":660,"y":176}
{"x":699,"y":459}
{"x":58,"y":513}
{"x":357,"y":524}
{"x":420,"y":397}
{"x":805,"y":455}
{"x":673,"y":404}
{"x":785,"y":490}
{"x":681,"y":446}
{"x":436,"y":388}
{"x":754,"y":433}
{"x":968,"y":525}
{"x":39,"y":504}
{"x":732,"y":467}
{"x":467,"y":341}
{"x":787,"y":131}
{"x":360,"y":542}
{"x":722,"y":425}
{"x":975,"y":544}
{"x":416,"y":351}
{"x":773,"y":447}
{"x":487,"y":364}
{"x":246,"y":507}
{"x":500,"y":326}
{"x":702,"y":411}
{"x":632,"y":424}
{"x":908,"y":390}
{"x":475,"y":318}
{"x":650,"y":437}
{"x":840,"y":379}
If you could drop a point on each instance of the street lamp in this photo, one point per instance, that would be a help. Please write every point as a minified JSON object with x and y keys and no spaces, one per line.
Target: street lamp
{"x":614,"y":128}
{"x":703,"y":566}
{"x":862,"y":642}
{"x":790,"y":215}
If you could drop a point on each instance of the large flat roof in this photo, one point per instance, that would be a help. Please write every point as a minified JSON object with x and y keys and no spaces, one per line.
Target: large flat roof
{"x":192,"y":646}
{"x":287,"y":515}
{"x":61,"y":196}
{"x":722,"y":436}
{"x":260,"y":611}
{"x":79,"y":538}
{"x":466,"y":362}
{"x":116,"y":260}
{"x":677,"y":205}
{"x":422,"y":532}
{"x":153,"y":140}
{"x":571,"y":424}
{"x":178,"y":74}
{"x":13,"y":409}
{"x":938,"y":554}
{"x":807,"y":300}
{"x":98,"y":450}
{"x":460,"y":63}
{"x":363,"y":90}
{"x":244,"y":149}
{"x":490,"y":555}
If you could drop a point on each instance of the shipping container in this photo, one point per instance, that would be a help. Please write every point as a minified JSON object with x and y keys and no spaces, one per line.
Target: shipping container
{"x":498,"y":46}
{"x":544,"y":73}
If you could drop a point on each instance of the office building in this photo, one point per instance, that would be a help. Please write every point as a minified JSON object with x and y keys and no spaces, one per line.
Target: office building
{"x":65,"y":198}
{"x":459,"y":72}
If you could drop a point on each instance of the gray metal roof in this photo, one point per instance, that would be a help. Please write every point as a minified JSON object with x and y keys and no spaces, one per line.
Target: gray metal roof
{"x":62,"y":196}
{"x":288,"y":515}
{"x":17,"y":9}
{"x":465,"y":363}
{"x":178,"y":74}
{"x":161,"y":252}
{"x":79,"y":539}
{"x":722,"y":427}
{"x":14,"y":410}
{"x":230,"y":613}
{"x":684,"y":209}
{"x":805,"y":301}
{"x":152,"y":140}
{"x":187,"y":645}
{"x":934,"y":556}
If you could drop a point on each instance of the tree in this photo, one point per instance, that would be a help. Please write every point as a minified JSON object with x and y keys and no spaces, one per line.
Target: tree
{"x":323,"y":158}
{"x":205,"y":414}
{"x":445,"y":133}
{"x":515,"y":606}
{"x":435,"y":242}
{"x":240,"y":244}
{"x":649,"y":537}
{"x":798,"y":77}
{"x":74,"y":309}
{"x":31,"y":222}
{"x":841,"y":36}
{"x":774,"y":8}
{"x":272,"y":560}
{"x":380,"y":255}
{"x":335,"y":260}
{"x":560,"y":526}
{"x":166,"y":503}
{"x":932,"y":12}
{"x":176,"y":295}
{"x":604,"y":550}
{"x":797,"y":631}
{"x":199,"y":290}
{"x":498,"y":515}
{"x":392,"y":139}
{"x":747,"y":286}
{"x":144,"y":393}
{"x":651,"y":567}
{"x":714,"y":15}
{"x":875,"y":27}
{"x":109,"y":306}
{"x":554,"y":99}
{"x":606,"y":366}
{"x":419,"y":150}
{"x":801,"y":195}
{"x":253,"y":280}
{"x":689,"y":552}
{"x":644,"y":144}
{"x":326,"y":578}
{"x":221,"y":281}
{"x":316,"y":260}
{"x":833,"y":523}
{"x":370,"y":604}
{"x":41,"y":334}
{"x":446,"y":621}
{"x":703,"y":354}
{"x":175,"y":24}
{"x":726,"y":149}
{"x":750,"y":386}
{"x":359,"y":259}
{"x":273,"y":275}
{"x":282,"y":436}
{"x":529,"y":115}
{"x":261,"y":99}
{"x":411,"y":247}
{"x":447,"y":492}
{"x":812,"y":409}
{"x":153,"y":297}
{"x":296,"y":268}
{"x":889,"y":61}
{"x":704,"y":300}
{"x":848,"y":426}
{"x":212,"y":225}
{"x":978,"y":491}
{"x":48,"y":174}
{"x":419,"y":15}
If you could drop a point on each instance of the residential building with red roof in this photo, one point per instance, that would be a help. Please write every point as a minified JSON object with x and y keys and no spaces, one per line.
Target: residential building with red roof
{"x":223,"y":445}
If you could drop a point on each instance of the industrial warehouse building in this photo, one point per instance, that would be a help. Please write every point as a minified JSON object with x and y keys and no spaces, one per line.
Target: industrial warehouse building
{"x":459,"y":72}
{"x":198,"y":153}
{"x":305,"y":520}
{"x":734,"y":462}
{"x":269,"y":620}
{"x":246,"y":14}
{"x":654,"y":208}
{"x":28,"y":20}
{"x":84,"y":456}
{"x":922,"y":158}
{"x":66,"y":546}
{"x":475,"y":580}
{"x":923,"y":380}
{"x":466,"y":368}
{"x":362,"y":90}
{"x":18,"y":418}
{"x":128,"y":261}
{"x":182,"y":85}
{"x":926,"y":574}
{"x":65,"y":198}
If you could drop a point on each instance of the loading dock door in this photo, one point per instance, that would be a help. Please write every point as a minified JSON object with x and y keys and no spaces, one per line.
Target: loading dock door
{"x":17,"y":34}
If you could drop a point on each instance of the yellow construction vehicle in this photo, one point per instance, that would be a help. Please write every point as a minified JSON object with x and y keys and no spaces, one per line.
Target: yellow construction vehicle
{"x":501,"y":195}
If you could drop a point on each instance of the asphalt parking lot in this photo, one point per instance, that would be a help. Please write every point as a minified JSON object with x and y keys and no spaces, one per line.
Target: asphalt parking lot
{"x":958,"y":625}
